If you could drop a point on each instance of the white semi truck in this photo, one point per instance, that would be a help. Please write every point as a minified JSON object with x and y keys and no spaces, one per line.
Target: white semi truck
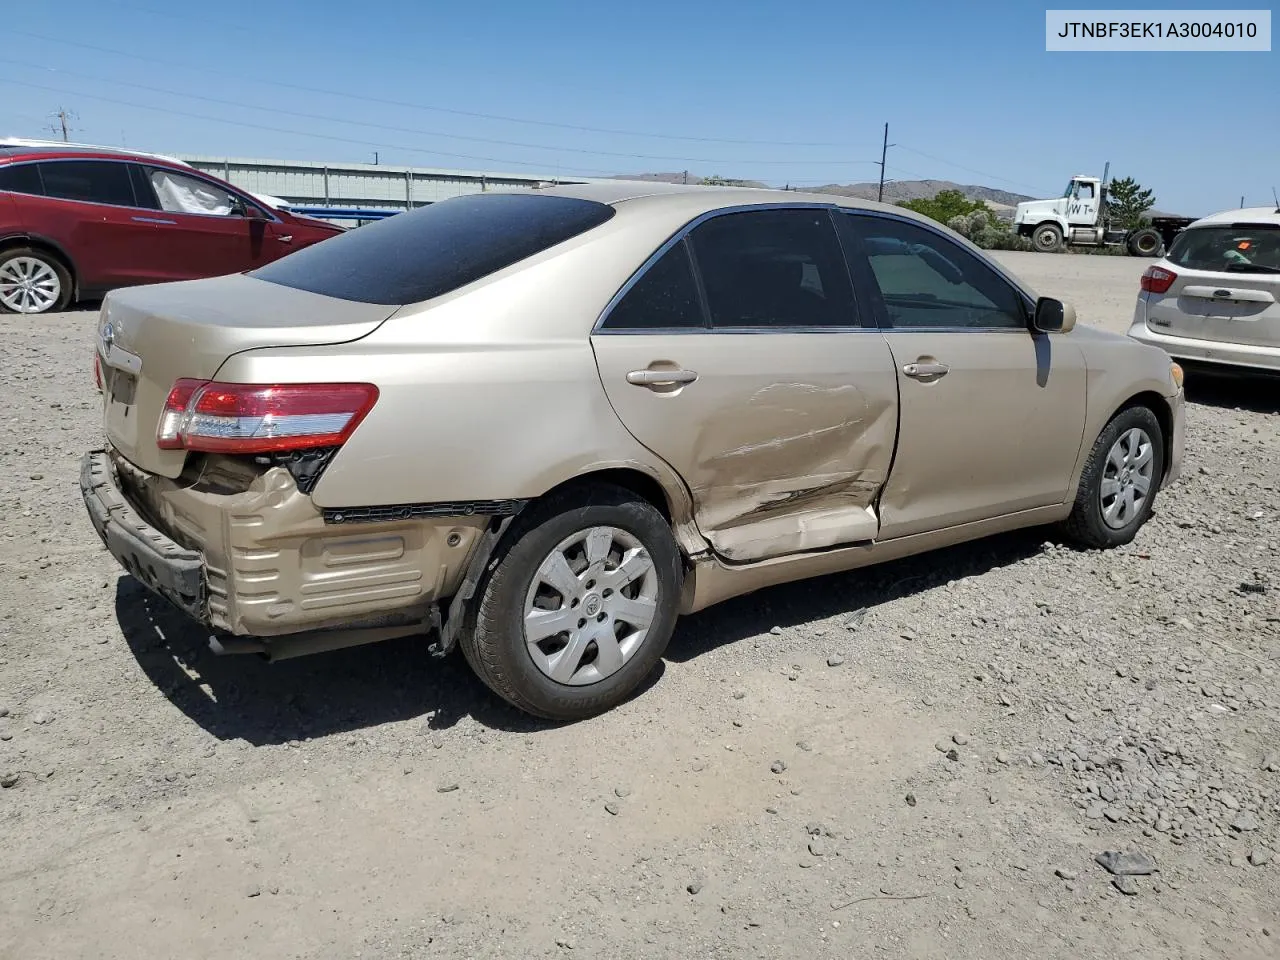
{"x":1081,"y":218}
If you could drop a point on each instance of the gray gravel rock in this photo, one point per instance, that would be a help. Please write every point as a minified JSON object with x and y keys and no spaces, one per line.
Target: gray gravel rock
{"x":818,"y":847}
{"x":447,"y":788}
{"x":778,"y":766}
{"x":1260,"y":856}
{"x":8,"y":779}
{"x":621,"y":792}
{"x":611,"y":808}
{"x":1126,"y":885}
{"x":1131,"y":863}
{"x":1245,"y":822}
{"x":835,"y":660}
{"x":1063,"y":874}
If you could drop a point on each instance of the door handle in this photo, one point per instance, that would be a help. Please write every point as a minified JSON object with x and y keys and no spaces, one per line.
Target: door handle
{"x":660,"y":378}
{"x":285,"y":238}
{"x":925,"y":370}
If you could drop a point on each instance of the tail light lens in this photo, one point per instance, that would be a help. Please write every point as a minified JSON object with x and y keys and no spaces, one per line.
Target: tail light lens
{"x":1158,"y":279}
{"x":261,"y":418}
{"x":97,"y":370}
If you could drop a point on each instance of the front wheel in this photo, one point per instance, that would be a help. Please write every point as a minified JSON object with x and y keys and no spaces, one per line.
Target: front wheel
{"x":1047,"y":238}
{"x":580,"y":606}
{"x":1120,"y":479}
{"x":32,"y":281}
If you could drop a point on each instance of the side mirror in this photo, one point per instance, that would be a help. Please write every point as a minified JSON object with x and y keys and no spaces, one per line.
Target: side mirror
{"x":239,"y":208}
{"x":1053,"y":316}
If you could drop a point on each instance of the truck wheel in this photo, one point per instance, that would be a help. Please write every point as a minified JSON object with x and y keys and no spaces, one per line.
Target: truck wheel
{"x":580,"y":606}
{"x":1145,"y":243}
{"x":1047,"y":238}
{"x":1119,"y":482}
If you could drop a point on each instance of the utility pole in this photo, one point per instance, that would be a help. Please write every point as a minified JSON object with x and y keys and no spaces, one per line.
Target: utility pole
{"x":685,"y":178}
{"x":375,"y":158}
{"x":63,"y":118}
{"x":884,"y":150}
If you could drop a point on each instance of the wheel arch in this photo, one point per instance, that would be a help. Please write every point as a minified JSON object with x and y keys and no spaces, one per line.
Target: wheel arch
{"x":1164,"y":415}
{"x":36,"y":241}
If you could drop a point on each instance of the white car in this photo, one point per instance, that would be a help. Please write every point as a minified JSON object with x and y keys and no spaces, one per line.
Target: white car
{"x":1215,"y":297}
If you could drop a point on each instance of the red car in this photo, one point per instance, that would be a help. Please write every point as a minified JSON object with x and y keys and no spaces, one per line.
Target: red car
{"x":75,"y":223}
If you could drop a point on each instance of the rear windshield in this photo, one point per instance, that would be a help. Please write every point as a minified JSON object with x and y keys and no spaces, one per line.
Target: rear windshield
{"x":428,"y":252}
{"x":1229,"y":248}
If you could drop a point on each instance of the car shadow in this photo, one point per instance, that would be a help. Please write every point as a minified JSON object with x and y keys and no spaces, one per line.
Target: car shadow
{"x":848,"y":593}
{"x":244,"y":697}
{"x":1256,"y":393}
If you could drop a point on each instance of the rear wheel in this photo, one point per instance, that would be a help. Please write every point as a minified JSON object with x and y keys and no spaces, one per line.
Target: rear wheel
{"x":1047,"y":238}
{"x":33,"y":281}
{"x":580,"y":605}
{"x":1145,"y":243}
{"x":1120,"y":480}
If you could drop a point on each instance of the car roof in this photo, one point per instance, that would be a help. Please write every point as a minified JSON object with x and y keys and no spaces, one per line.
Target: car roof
{"x":702,"y":199}
{"x":10,"y":152}
{"x":1264,"y":215}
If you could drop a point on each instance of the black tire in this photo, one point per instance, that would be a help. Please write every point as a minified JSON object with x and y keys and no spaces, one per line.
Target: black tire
{"x":1047,"y":238}
{"x":1146,"y":242}
{"x":493,"y":643}
{"x":51,"y":261}
{"x":1087,"y":525}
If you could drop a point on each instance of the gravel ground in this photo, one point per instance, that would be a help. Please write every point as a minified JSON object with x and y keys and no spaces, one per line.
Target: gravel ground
{"x":924,"y":759}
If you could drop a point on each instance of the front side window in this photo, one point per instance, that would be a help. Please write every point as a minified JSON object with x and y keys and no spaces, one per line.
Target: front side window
{"x":665,"y":297}
{"x":1084,"y":191}
{"x":21,"y":178}
{"x":774,"y":269}
{"x":431,"y":251}
{"x":1229,"y":248}
{"x":90,"y":181}
{"x":927,"y":281}
{"x":182,"y":194}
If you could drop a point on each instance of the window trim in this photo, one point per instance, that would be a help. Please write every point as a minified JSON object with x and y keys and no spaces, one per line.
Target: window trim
{"x":97,"y":203}
{"x":683,"y":234}
{"x":195,"y":175}
{"x":863,"y":275}
{"x":192,"y":172}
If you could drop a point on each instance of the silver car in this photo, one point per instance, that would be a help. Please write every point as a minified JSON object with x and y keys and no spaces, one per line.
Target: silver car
{"x":1215,"y":298}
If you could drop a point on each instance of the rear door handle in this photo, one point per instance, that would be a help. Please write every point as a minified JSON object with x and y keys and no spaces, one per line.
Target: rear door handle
{"x":660,"y":378}
{"x":286,"y":238}
{"x":927,"y":370}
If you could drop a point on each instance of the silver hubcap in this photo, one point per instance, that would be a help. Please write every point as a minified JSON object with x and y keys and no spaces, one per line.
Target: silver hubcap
{"x":1126,"y":478}
{"x":590,"y":604}
{"x":28,"y":285}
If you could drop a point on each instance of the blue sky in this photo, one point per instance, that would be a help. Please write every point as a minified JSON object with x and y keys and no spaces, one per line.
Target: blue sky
{"x":968,"y":91}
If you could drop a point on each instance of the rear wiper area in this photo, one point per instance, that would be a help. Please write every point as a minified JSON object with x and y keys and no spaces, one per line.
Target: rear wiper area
{"x":1250,"y":268}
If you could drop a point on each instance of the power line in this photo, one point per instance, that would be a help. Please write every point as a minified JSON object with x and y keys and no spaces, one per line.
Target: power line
{"x":427,"y":133}
{"x":419,"y":106}
{"x":296,"y":133}
{"x":961,"y":166}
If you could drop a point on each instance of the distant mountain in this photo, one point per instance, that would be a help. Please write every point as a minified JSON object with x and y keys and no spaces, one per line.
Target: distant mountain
{"x":916,"y":189}
{"x":893,"y":191}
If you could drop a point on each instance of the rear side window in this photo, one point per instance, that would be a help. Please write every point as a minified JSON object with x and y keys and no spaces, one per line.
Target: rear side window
{"x":1230,"y":248}
{"x":664,"y":298}
{"x":774,"y":269}
{"x":425,"y":253}
{"x":93,"y":181}
{"x":21,"y":178}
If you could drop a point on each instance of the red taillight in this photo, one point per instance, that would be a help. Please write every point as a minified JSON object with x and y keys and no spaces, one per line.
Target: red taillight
{"x":169,"y":433}
{"x":1158,"y":279}
{"x":97,"y":370}
{"x":261,"y":418}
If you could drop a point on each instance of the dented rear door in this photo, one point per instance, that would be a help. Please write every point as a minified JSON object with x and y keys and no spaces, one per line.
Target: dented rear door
{"x":762,"y":391}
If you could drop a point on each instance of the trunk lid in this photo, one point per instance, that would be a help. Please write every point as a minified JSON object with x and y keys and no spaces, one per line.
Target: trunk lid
{"x":1227,"y":287}
{"x":148,"y":337}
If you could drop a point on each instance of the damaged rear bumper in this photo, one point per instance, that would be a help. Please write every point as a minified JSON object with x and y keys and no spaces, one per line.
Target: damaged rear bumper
{"x":154,"y":559}
{"x":241,"y":549}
